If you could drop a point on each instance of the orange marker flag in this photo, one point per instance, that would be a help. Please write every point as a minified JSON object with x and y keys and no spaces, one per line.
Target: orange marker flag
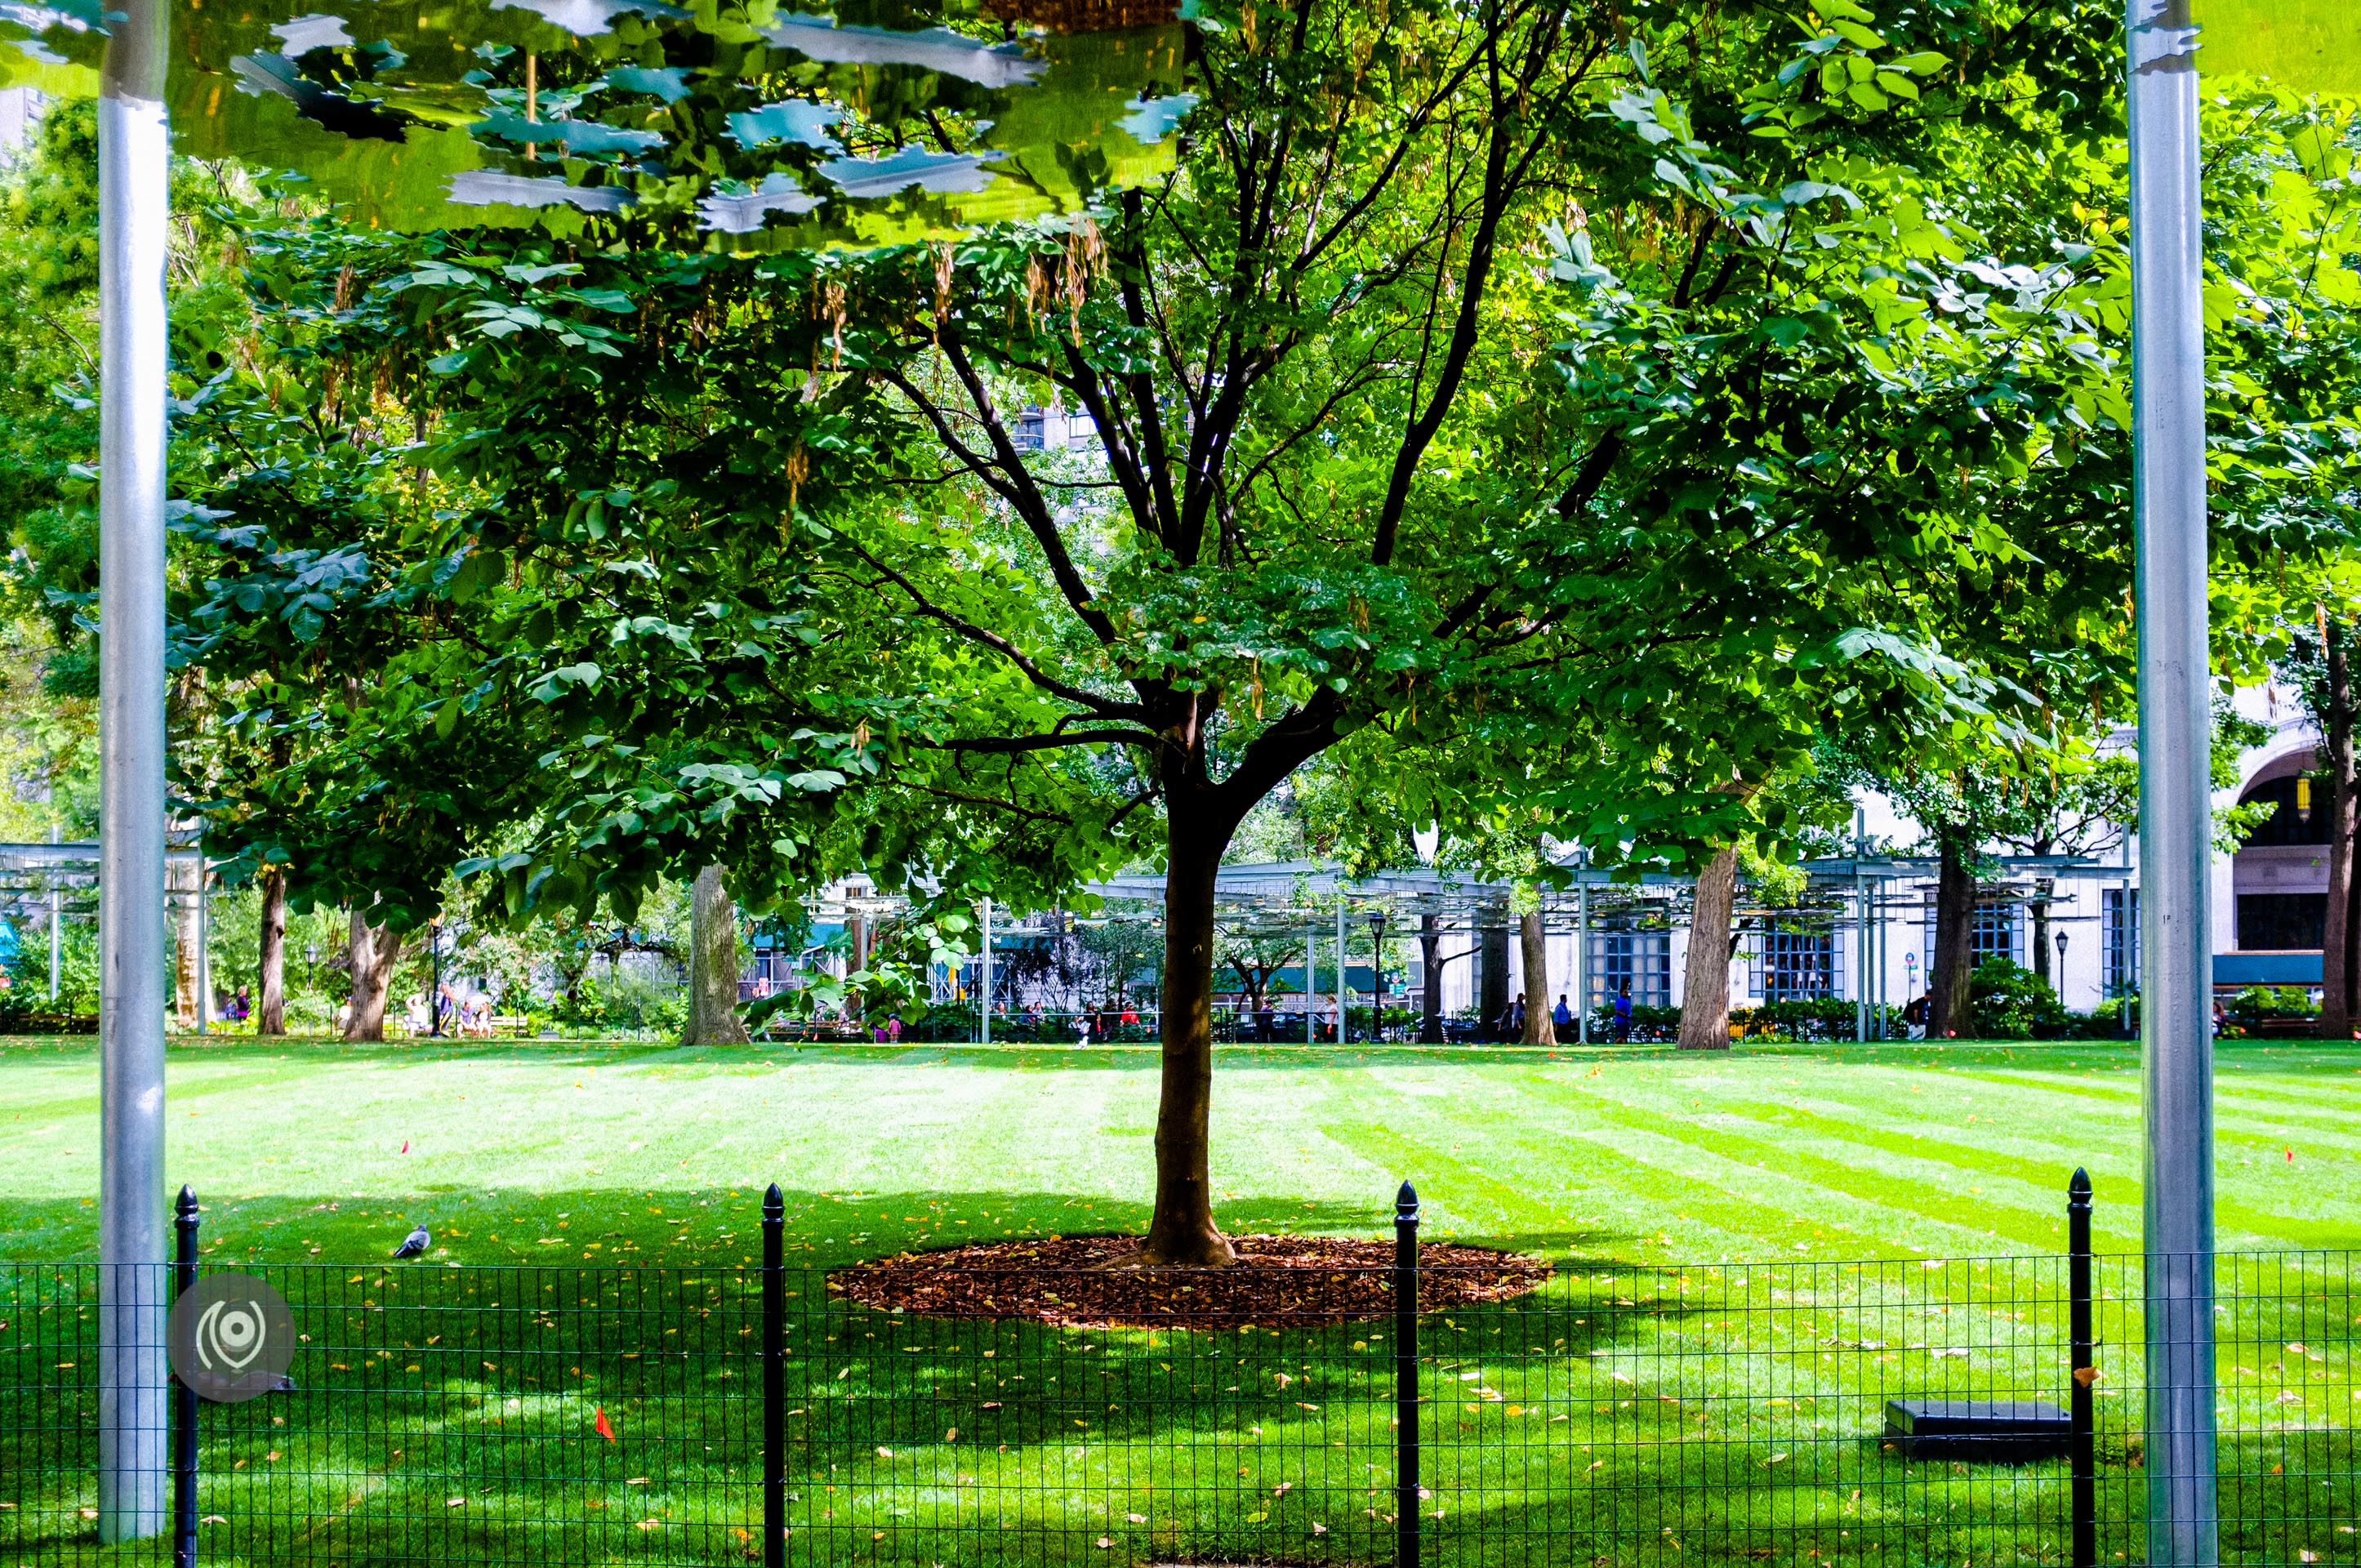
{"x":600,"y":1424}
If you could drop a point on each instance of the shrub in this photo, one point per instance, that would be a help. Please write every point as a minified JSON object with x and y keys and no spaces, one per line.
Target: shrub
{"x":2008,"y":1001}
{"x":1808,"y":1018}
{"x":2257,"y":1002}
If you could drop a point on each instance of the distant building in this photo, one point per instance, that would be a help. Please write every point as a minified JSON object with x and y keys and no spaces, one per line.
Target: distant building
{"x":20,"y":110}
{"x":1054,"y":430}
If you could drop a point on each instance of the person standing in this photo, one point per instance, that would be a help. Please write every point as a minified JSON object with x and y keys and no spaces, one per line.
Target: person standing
{"x":1623,"y":1013}
{"x":1562,"y":1016}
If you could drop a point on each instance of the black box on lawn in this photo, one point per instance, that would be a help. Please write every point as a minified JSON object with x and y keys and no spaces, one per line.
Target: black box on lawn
{"x":1992,"y":1432}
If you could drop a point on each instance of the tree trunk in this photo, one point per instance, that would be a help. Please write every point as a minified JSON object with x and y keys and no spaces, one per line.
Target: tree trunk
{"x":1182,"y":1233}
{"x":1705,"y":983}
{"x":1430,"y":1009}
{"x":185,"y":879}
{"x":1951,"y":975}
{"x":2353,"y":948}
{"x":270,"y":1009}
{"x":713,"y":965}
{"x":2337,"y":940}
{"x":374,"y":951}
{"x":2042,"y":889}
{"x":1492,"y":973}
{"x":1532,"y":941}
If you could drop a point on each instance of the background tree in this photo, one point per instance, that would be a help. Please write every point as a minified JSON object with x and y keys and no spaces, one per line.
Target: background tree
{"x":1254,"y":958}
{"x":713,"y":966}
{"x":2318,"y":663}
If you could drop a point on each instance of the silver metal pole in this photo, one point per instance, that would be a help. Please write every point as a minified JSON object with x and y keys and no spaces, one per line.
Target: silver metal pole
{"x":983,"y":974}
{"x":1343,"y":997}
{"x":1883,"y":949}
{"x":1582,"y":952}
{"x":1861,"y":930}
{"x":57,"y":924}
{"x":204,"y":942}
{"x":1860,"y":957}
{"x":1311,"y":984}
{"x":2176,"y":796}
{"x":135,"y":215}
{"x":2128,"y":974}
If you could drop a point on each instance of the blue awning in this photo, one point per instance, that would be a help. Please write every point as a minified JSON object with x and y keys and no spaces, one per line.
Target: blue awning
{"x":2267,"y":969}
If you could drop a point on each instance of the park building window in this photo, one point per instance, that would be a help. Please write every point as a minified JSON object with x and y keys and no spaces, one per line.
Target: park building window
{"x":1641,"y":959}
{"x":1795,"y":966}
{"x":2119,"y":922}
{"x":2282,"y":921}
{"x":1031,"y":430}
{"x":1995,"y":935}
{"x":2299,"y":814}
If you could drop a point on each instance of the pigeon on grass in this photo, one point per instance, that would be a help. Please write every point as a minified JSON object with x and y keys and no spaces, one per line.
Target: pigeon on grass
{"x":415,"y":1242}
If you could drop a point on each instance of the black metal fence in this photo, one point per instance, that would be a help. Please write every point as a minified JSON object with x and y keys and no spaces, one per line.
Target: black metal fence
{"x":1617,"y":1415}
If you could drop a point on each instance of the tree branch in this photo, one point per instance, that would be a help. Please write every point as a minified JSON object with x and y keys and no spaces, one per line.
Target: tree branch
{"x":1106,"y":708}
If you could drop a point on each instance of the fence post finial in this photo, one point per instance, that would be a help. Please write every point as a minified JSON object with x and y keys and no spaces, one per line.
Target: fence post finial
{"x":184,"y":1399}
{"x":2082,"y":1373}
{"x":774,"y":1379}
{"x":1406,"y":1487}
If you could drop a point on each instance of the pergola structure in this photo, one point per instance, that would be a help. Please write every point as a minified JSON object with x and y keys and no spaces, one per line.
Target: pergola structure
{"x":1849,"y":897}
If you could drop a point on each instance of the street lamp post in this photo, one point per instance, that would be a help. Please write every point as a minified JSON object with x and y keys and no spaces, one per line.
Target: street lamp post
{"x":2061,"y":960}
{"x":1377,"y":975}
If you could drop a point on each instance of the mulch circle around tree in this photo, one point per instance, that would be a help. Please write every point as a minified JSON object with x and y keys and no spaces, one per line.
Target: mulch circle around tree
{"x":1298,"y":1281}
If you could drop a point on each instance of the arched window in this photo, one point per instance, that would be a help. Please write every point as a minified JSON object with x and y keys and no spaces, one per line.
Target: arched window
{"x":2292,"y":822}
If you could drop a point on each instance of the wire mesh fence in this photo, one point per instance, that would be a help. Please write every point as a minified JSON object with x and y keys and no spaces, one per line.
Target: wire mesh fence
{"x":1724,"y":1412}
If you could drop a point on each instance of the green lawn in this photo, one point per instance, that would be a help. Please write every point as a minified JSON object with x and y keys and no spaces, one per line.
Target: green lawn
{"x":1653,"y":1404}
{"x":1883,"y":1151}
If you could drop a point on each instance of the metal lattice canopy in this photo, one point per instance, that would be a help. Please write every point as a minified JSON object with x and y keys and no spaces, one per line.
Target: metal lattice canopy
{"x":1286,"y":896}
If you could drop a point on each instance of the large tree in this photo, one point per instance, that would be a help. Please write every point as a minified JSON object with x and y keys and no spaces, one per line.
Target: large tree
{"x":769,"y":563}
{"x":1340,"y":491}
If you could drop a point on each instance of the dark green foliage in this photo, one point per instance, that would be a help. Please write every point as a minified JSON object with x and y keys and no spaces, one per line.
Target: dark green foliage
{"x":2009,"y":1002}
